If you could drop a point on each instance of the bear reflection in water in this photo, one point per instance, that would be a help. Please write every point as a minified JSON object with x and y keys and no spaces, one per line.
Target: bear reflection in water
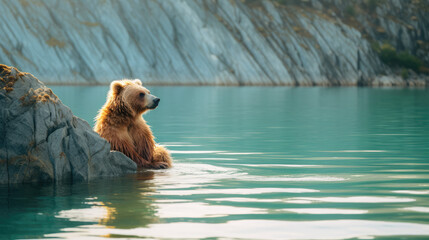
{"x":121,"y":123}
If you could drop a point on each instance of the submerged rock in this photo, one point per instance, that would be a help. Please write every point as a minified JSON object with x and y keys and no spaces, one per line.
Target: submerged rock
{"x":42,"y":141}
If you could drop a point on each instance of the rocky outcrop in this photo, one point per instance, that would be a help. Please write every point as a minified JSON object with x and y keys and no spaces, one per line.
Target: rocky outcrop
{"x":42,"y":141}
{"x":221,"y":42}
{"x":401,"y":25}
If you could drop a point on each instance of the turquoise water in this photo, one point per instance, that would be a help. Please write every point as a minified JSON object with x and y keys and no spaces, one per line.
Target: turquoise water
{"x":251,"y":163}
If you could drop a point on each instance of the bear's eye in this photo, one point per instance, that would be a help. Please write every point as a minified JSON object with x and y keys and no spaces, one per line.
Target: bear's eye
{"x":141,"y":95}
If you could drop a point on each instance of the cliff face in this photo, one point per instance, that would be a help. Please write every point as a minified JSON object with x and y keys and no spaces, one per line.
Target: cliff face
{"x":224,"y":42}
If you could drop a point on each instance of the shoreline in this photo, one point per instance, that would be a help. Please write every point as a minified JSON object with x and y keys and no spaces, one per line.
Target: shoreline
{"x":157,"y":84}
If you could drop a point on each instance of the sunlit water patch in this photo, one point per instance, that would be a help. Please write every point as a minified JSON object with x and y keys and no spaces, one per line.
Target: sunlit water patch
{"x":305,"y":163}
{"x":258,"y":229}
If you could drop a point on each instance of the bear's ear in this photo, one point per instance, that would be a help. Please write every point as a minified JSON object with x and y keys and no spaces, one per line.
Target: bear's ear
{"x":137,"y":81}
{"x":116,"y":87}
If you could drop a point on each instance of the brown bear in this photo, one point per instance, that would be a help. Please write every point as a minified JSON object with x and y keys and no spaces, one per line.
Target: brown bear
{"x":121,"y":123}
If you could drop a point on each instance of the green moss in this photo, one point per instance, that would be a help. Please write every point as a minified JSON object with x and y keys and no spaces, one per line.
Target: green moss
{"x":375,"y":46}
{"x":388,"y":54}
{"x":285,"y":2}
{"x":392,"y":58}
{"x":404,"y":74}
{"x":350,"y":11}
{"x":371,"y":5}
{"x":409,"y":61}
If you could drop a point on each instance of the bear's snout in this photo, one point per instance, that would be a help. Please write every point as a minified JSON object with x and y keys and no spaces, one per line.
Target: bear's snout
{"x":155,"y":102}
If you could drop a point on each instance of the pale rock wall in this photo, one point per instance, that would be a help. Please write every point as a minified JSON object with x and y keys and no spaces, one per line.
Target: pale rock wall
{"x":223,"y":42}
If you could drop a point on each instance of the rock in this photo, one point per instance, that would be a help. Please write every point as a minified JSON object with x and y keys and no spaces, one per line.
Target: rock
{"x":223,"y":42}
{"x":388,"y":80}
{"x":42,"y":141}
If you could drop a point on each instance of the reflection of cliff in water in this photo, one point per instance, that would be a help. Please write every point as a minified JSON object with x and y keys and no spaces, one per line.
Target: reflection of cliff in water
{"x":28,"y":211}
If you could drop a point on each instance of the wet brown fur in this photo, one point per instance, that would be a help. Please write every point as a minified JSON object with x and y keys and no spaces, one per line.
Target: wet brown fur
{"x":121,"y":123}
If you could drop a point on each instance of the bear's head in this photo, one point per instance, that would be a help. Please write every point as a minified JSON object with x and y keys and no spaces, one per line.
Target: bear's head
{"x":133,"y":95}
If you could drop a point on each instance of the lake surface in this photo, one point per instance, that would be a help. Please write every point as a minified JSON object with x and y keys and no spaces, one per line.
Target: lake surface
{"x":251,"y":163}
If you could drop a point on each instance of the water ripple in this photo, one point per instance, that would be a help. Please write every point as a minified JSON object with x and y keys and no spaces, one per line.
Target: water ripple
{"x":261,"y":229}
{"x":240,"y":153}
{"x":356,"y":151}
{"x":238,"y":191}
{"x":293,"y":179}
{"x":276,"y":165}
{"x":324,"y":211}
{"x":417,"y":209}
{"x":203,"y":210}
{"x":413,"y":192}
{"x":241,"y":199}
{"x":185,"y":175}
{"x":356,"y":199}
{"x":192,"y":152}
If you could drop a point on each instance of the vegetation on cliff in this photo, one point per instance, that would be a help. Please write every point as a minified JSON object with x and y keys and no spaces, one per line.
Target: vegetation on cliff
{"x":224,"y":42}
